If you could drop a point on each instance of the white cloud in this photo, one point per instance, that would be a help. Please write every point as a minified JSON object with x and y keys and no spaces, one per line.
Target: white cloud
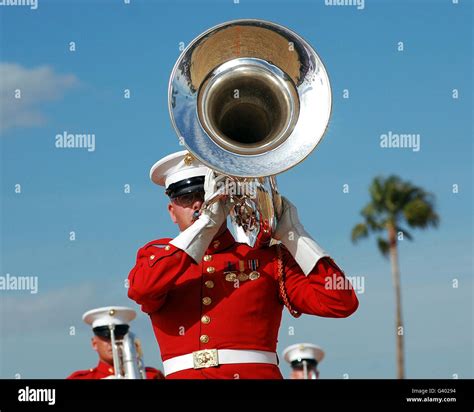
{"x":37,"y":85}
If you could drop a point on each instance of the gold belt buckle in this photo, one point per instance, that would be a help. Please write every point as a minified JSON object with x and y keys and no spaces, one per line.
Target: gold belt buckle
{"x":205,"y":358}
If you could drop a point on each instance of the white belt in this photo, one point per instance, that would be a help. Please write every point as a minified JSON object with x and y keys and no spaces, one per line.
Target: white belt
{"x":213,"y":357}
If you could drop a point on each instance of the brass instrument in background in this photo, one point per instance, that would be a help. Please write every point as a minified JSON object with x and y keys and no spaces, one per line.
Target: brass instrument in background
{"x":127,"y":355}
{"x":250,"y":99}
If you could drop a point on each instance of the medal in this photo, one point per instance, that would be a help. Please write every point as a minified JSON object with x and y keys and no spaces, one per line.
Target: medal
{"x":253,"y":265}
{"x":242,"y":277}
{"x":230,"y":276}
{"x":254,"y":275}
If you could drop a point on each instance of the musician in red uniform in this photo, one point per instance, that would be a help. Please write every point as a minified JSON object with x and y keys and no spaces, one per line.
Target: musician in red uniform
{"x":215,"y":304}
{"x":100,"y":319}
{"x":304,"y":359}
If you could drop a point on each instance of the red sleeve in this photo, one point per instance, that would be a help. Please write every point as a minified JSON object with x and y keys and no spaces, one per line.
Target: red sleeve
{"x":324,"y":292}
{"x":85,"y":374}
{"x":155,"y":273}
{"x":152,"y":373}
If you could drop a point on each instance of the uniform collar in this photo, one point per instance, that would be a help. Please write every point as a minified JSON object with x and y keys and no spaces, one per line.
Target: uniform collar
{"x":105,"y":368}
{"x":221,"y":242}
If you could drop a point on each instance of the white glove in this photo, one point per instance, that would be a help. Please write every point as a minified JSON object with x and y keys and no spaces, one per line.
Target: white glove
{"x":197,"y":237}
{"x":293,"y":235}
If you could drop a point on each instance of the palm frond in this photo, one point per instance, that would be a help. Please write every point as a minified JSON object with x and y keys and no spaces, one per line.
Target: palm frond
{"x":372,"y":217}
{"x":420,"y":213}
{"x":359,"y":231}
{"x":383,"y":246}
{"x":376,"y":191}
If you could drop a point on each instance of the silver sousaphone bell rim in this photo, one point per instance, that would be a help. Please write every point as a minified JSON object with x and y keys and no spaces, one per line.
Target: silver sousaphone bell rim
{"x":315,"y":101}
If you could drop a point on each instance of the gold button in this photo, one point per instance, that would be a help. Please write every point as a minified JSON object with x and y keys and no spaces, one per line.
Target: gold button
{"x":152,"y":257}
{"x":216,"y":244}
{"x":111,"y":370}
{"x":207,"y":258}
{"x":205,"y":319}
{"x":211,"y":269}
{"x":209,"y":284}
{"x":204,"y":338}
{"x":206,"y":301}
{"x":167,"y":247}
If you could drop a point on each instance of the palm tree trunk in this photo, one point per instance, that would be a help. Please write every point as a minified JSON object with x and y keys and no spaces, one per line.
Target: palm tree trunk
{"x":399,"y":330}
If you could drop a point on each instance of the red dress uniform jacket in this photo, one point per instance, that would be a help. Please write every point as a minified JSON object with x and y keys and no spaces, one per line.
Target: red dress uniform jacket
{"x":193,"y":307}
{"x":103,"y":370}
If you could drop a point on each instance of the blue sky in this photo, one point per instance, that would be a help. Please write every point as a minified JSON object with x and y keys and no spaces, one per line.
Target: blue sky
{"x":134,"y":46}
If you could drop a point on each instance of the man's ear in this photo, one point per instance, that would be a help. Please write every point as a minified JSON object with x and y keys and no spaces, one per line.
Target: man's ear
{"x":94,"y":343}
{"x":171,"y":212}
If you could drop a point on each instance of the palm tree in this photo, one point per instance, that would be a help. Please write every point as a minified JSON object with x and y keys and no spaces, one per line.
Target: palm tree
{"x":392,"y":202}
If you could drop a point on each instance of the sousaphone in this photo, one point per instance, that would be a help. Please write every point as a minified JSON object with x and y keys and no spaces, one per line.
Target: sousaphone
{"x":250,"y":99}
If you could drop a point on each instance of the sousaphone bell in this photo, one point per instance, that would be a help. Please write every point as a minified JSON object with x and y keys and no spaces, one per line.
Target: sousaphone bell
{"x":250,"y":99}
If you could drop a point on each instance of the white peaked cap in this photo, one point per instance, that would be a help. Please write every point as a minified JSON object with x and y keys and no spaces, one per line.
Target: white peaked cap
{"x":300,"y":351}
{"x":109,"y":315}
{"x":176,"y":167}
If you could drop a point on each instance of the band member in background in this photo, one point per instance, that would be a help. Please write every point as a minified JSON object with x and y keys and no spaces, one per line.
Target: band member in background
{"x":304,"y":359}
{"x":216,"y":305}
{"x":100,"y":319}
